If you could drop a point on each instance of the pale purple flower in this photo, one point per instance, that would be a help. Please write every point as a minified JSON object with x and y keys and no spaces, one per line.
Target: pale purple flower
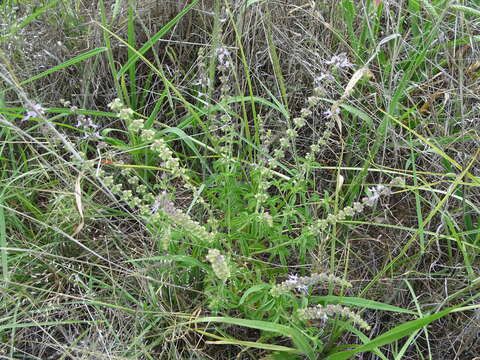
{"x":302,"y":284}
{"x":339,"y":61}
{"x":90,"y":128}
{"x":293,"y":280}
{"x":163,"y":203}
{"x":328,"y":114}
{"x":223,"y":56}
{"x":202,"y":81}
{"x":92,"y":136}
{"x":323,"y":76}
{"x":91,"y":124}
{"x":36,"y":111}
{"x":376,"y":192}
{"x":370,"y":200}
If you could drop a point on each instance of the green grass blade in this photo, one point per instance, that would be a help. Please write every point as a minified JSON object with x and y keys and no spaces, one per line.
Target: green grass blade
{"x":364,"y":303}
{"x":300,"y":341}
{"x":280,"y":80}
{"x":167,"y":27}
{"x":3,"y":243}
{"x":131,"y":71}
{"x":46,"y":323}
{"x":167,"y":82}
{"x":189,"y":141}
{"x":63,"y":65}
{"x":466,"y":9}
{"x":108,"y":45}
{"x":435,"y":148}
{"x":251,"y":344}
{"x":390,"y":336}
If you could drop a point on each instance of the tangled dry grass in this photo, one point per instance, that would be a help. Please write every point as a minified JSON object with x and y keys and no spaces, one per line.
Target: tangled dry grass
{"x":74,"y":282}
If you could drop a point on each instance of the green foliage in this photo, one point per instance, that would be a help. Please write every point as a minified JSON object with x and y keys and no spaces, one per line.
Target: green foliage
{"x":216,"y":207}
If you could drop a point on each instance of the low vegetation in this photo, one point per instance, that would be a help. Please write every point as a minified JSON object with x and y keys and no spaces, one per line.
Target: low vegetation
{"x":255,"y":179}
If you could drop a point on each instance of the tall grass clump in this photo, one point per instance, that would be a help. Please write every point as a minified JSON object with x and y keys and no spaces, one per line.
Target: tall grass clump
{"x":224,"y":179}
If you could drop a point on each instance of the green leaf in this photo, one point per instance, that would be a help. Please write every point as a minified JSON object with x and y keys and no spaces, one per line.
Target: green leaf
{"x":253,"y":289}
{"x":362,"y":115}
{"x":363,"y":338}
{"x":391,"y":336}
{"x":189,"y":141}
{"x":354,"y":111}
{"x":360,"y":302}
{"x":299,"y":340}
{"x":257,"y":345}
{"x":113,"y":141}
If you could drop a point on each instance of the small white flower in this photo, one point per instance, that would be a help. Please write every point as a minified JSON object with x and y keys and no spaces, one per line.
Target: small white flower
{"x":313,"y":100}
{"x":292,"y":279}
{"x":284,"y":143}
{"x":136,"y":125}
{"x":306,"y":113}
{"x":148,"y":134}
{"x":91,"y":124}
{"x":219,"y":264}
{"x":291,"y":133}
{"x":314,"y":148}
{"x":268,"y":219}
{"x":116,"y":104}
{"x":125,"y":113}
{"x":299,"y":122}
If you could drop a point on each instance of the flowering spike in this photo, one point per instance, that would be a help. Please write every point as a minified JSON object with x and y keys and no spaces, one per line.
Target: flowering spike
{"x":302,"y":283}
{"x":325,"y":312}
{"x":219,"y":264}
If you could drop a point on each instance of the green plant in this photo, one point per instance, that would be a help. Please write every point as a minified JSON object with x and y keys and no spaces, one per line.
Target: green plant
{"x":256,"y":191}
